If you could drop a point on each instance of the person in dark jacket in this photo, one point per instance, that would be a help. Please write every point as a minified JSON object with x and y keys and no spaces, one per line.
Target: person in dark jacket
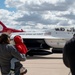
{"x":7,"y":52}
{"x":69,"y":55}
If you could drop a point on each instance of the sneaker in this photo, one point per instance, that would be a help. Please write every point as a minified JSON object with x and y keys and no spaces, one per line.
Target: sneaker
{"x":23,"y":71}
{"x":12,"y":72}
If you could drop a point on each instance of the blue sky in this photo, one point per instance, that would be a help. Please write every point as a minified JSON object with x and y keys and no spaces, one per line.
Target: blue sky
{"x":37,"y":14}
{"x":2,"y":5}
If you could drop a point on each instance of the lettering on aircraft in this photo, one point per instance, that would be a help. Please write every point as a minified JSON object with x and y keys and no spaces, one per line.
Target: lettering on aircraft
{"x":32,"y":34}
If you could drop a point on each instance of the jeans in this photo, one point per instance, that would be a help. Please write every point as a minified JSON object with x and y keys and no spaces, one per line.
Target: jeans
{"x":13,"y":61}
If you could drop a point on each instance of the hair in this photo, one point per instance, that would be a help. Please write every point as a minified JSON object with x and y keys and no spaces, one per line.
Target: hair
{"x":4,"y":39}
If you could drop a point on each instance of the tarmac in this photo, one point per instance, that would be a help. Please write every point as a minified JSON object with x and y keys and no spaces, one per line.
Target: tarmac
{"x":46,"y":65}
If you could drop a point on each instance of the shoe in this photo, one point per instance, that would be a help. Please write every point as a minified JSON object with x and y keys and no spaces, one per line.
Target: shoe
{"x":12,"y":72}
{"x":23,"y":71}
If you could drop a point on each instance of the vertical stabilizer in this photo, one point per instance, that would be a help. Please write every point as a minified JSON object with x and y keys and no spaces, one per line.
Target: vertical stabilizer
{"x":3,"y":28}
{"x":1,"y":24}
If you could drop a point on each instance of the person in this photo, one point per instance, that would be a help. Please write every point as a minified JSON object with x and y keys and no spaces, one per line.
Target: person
{"x":7,"y":52}
{"x":69,"y":54}
{"x":21,"y":47}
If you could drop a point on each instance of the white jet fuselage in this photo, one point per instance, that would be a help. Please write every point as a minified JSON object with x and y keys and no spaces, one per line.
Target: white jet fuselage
{"x":54,"y":39}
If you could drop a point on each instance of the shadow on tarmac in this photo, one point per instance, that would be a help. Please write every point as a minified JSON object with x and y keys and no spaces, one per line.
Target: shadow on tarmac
{"x":41,"y":57}
{"x":38,"y":52}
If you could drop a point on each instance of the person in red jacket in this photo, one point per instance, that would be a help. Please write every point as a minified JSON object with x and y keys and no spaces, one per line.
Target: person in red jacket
{"x":21,"y":47}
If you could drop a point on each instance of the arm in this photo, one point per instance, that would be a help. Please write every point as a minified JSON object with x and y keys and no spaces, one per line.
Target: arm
{"x":16,"y":54}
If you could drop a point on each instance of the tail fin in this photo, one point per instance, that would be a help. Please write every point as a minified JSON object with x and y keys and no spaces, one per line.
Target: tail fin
{"x":3,"y":28}
{"x":1,"y":24}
